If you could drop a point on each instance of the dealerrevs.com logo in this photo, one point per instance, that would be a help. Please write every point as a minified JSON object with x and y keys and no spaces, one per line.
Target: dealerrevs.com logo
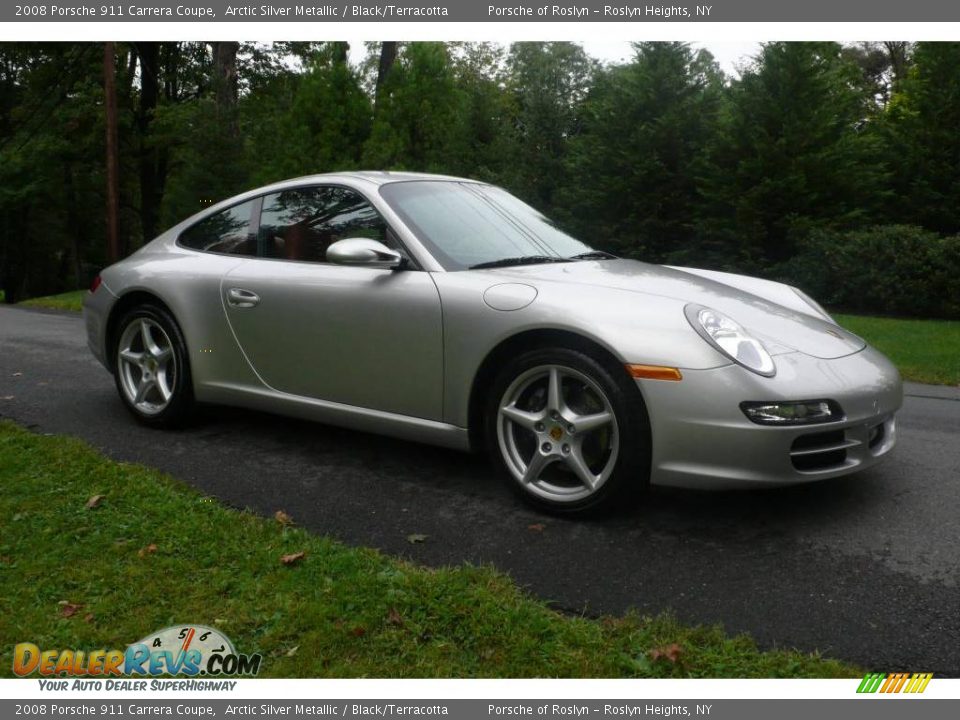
{"x":186,"y":650}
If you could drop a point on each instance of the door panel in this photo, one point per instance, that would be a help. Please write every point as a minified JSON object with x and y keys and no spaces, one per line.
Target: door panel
{"x":360,"y":336}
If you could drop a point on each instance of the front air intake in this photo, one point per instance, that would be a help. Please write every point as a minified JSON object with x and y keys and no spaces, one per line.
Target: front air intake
{"x":820,"y":451}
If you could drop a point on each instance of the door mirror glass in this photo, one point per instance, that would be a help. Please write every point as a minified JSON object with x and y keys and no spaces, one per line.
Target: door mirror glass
{"x":364,"y":252}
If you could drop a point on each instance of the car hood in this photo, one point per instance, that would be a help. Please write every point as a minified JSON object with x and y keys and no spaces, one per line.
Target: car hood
{"x":781,"y":328}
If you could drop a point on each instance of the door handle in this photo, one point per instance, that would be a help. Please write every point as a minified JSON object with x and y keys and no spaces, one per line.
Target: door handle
{"x":240,"y":298}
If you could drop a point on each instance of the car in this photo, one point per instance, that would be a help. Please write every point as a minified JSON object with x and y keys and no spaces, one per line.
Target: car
{"x":446,"y":311}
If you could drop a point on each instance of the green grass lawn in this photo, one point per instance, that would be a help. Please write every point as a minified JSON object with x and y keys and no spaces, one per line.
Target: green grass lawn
{"x":153,"y":553}
{"x":72,"y":300}
{"x":924,"y":350}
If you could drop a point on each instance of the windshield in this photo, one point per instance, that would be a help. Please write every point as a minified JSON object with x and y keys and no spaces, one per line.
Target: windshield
{"x":466,"y":224}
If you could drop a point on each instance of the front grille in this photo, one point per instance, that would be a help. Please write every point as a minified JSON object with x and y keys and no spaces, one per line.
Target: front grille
{"x":820,"y":451}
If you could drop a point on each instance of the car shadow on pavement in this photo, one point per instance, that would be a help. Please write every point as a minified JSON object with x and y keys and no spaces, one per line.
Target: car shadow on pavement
{"x":389,"y":461}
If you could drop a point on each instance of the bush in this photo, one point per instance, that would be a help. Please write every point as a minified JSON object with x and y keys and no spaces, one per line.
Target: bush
{"x":887,"y":269}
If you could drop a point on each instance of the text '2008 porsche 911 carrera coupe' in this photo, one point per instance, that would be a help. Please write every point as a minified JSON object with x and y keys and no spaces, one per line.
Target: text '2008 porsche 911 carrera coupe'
{"x":447,"y":311}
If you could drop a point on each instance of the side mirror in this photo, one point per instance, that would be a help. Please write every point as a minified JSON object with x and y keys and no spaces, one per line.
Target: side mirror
{"x":363,"y":252}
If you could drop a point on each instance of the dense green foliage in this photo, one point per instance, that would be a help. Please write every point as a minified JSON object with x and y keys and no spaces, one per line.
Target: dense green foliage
{"x":818,"y":150}
{"x":901,"y":268}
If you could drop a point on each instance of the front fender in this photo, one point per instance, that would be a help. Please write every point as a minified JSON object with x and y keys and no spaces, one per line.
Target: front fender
{"x":633,"y":327}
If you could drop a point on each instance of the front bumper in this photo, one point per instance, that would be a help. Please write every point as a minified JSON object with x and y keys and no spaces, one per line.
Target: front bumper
{"x":702,"y":439}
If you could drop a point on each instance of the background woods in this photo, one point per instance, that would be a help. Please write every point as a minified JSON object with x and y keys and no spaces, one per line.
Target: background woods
{"x":834,"y":167}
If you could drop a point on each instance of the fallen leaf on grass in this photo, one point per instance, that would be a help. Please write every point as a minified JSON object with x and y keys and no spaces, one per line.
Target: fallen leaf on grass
{"x":358,"y":631}
{"x":670,"y":652}
{"x":416,"y":538}
{"x":281,"y":517}
{"x":88,"y":618}
{"x":394,"y":618}
{"x":292,"y":651}
{"x":293,"y":558}
{"x":94,"y":502}
{"x":148,"y":550}
{"x":68,"y":609}
{"x":537,"y":527}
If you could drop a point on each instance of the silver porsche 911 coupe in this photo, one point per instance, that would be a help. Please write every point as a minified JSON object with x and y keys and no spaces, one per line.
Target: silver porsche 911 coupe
{"x":446,"y":311}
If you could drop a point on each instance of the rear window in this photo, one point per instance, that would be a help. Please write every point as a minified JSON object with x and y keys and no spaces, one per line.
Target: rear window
{"x":228,"y":231}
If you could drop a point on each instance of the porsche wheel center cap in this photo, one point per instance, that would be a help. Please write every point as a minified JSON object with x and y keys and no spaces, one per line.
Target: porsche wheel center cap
{"x":556,"y":432}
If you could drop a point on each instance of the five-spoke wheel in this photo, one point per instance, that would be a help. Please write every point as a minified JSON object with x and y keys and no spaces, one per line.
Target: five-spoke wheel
{"x":558,"y":433}
{"x":152,"y":369}
{"x":147,"y":366}
{"x":570,"y":434}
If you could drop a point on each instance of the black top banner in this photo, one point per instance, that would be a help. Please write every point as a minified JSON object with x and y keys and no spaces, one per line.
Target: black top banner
{"x":485,"y":11}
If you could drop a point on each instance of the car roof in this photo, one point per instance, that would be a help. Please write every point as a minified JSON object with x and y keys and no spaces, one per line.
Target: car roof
{"x":375,"y":177}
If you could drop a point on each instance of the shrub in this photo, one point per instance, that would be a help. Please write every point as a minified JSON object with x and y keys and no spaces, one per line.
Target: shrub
{"x":887,"y":269}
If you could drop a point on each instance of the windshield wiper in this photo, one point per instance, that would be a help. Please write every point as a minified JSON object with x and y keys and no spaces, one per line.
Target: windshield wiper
{"x":594,"y":255}
{"x":522,"y":260}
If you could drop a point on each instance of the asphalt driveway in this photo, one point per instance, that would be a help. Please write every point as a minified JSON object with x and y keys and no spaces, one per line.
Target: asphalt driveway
{"x":865,"y":568}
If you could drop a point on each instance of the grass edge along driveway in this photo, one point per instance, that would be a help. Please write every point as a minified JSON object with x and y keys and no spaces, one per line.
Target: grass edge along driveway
{"x":150,"y":552}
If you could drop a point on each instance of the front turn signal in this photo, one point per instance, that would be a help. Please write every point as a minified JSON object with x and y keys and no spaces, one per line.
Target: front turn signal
{"x":655,"y":372}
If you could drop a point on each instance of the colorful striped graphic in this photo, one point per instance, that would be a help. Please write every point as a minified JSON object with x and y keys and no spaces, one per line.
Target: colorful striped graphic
{"x":894,"y":682}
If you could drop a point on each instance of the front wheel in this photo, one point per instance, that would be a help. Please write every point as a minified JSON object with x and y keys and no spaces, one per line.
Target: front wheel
{"x":152,"y":367}
{"x":570,"y":434}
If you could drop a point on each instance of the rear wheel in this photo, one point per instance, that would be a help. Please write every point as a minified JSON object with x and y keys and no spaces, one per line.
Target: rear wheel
{"x":570,"y":435}
{"x":152,"y":367}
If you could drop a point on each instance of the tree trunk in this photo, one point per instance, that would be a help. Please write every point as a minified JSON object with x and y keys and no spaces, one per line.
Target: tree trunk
{"x":225,"y":83}
{"x":113,"y":159}
{"x":897,"y":51}
{"x":149,"y":53}
{"x":79,"y":227}
{"x":388,"y":55}
{"x":340,"y":51}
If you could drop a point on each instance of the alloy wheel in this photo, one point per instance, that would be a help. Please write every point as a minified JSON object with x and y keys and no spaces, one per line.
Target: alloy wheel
{"x":147,"y":366}
{"x":558,"y":433}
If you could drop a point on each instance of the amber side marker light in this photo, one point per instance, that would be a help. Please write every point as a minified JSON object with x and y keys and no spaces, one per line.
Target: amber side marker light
{"x":654,"y":372}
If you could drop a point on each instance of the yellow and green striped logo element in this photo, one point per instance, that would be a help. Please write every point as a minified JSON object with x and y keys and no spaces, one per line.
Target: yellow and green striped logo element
{"x":894,"y":682}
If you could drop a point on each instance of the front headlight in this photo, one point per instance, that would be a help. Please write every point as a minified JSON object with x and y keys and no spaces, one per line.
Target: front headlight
{"x":730,"y":339}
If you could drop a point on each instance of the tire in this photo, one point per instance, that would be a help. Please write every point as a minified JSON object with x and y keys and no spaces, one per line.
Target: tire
{"x":160,"y":368}
{"x":590,"y":469}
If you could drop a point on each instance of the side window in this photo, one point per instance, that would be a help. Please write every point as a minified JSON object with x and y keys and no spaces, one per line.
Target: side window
{"x":301,"y":224}
{"x":225,"y":232}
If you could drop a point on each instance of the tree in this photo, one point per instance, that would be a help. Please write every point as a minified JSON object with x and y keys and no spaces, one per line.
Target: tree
{"x":200,"y":128}
{"x":884,"y":66}
{"x":417,"y":123}
{"x":52,"y":199}
{"x":791,"y":154}
{"x":646,"y":126}
{"x":924,"y":142}
{"x":310,"y":122}
{"x":388,"y":56}
{"x":112,"y":154}
{"x":152,"y":166}
{"x":547,"y":83}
